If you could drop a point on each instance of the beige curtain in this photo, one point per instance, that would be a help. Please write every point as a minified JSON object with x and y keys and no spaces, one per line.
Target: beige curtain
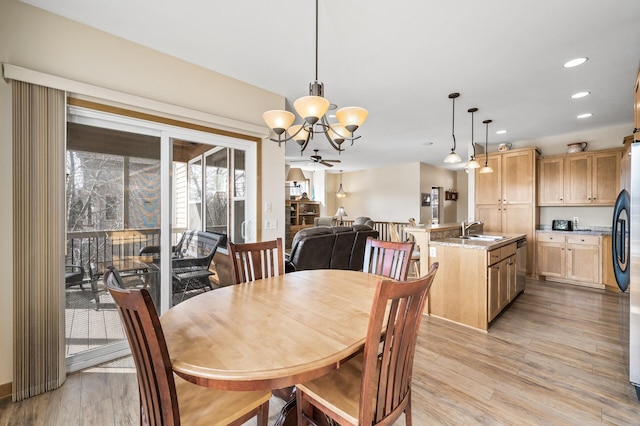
{"x":38,"y":239}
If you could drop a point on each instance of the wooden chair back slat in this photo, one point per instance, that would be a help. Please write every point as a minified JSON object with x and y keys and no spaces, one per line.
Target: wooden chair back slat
{"x":387,"y":258}
{"x":253,"y":261}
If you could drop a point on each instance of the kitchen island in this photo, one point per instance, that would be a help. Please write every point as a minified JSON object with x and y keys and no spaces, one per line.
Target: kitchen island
{"x":476,"y":279}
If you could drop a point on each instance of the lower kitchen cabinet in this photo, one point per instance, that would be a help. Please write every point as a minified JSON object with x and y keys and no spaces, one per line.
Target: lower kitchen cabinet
{"x":501,"y":276}
{"x":572,"y":258}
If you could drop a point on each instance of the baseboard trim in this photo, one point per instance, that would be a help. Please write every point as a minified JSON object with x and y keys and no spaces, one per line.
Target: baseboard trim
{"x":5,"y":390}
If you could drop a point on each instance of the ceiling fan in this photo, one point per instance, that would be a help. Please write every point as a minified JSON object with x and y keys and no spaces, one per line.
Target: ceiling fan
{"x":315,"y":158}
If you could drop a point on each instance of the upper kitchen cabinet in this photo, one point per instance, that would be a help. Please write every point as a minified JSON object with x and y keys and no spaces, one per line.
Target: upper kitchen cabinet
{"x":582,"y":179}
{"x":506,"y":199}
{"x":551,"y":177}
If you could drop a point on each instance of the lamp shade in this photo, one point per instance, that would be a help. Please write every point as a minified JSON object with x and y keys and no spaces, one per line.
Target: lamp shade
{"x":295,"y":175}
{"x":352,"y":117}
{"x":473,"y":164}
{"x":278,"y":120}
{"x":311,"y":108}
{"x":452,"y":157}
{"x":337,"y":133}
{"x":301,"y":134}
{"x":486,"y":169}
{"x":341,"y":212}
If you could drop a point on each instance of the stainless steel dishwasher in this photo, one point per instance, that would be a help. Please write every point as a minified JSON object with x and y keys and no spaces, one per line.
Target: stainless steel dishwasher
{"x":521,"y":264}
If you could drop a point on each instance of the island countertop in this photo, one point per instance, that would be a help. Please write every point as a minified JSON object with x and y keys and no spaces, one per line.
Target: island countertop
{"x":479,"y":244}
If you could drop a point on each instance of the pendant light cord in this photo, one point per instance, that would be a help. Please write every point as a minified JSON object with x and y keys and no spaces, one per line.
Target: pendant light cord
{"x":453,"y":124}
{"x":316,"y":40}
{"x":473,"y":144}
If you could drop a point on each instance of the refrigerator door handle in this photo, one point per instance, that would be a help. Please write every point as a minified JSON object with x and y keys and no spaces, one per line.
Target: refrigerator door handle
{"x":619,"y":240}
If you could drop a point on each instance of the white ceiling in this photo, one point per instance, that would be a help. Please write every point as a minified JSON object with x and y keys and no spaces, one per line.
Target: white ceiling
{"x":401,"y":59}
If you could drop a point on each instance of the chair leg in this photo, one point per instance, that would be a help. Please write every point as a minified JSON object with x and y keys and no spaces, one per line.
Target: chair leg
{"x":407,"y":412}
{"x":263,"y":414}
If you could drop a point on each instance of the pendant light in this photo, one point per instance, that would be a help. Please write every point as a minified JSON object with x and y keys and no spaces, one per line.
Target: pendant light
{"x":473,"y":163}
{"x":486,"y":168}
{"x":341,"y":193}
{"x":453,"y":157}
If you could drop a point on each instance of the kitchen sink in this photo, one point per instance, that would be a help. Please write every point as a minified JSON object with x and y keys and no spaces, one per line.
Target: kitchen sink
{"x":475,"y":237}
{"x":488,"y":237}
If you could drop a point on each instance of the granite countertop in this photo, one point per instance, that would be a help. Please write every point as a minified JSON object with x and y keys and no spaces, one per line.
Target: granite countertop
{"x":595,"y":230}
{"x":478,"y":244}
{"x":430,"y":227}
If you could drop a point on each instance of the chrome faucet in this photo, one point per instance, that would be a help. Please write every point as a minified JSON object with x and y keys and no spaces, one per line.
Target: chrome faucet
{"x":466,"y":227}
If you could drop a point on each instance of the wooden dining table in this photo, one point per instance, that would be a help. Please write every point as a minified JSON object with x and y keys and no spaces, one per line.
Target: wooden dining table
{"x":270,"y":333}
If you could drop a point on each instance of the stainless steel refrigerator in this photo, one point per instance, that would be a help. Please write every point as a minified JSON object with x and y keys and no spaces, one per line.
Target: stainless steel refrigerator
{"x":626,"y":260}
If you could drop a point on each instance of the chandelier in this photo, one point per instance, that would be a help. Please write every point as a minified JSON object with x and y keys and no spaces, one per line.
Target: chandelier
{"x":312,"y":109}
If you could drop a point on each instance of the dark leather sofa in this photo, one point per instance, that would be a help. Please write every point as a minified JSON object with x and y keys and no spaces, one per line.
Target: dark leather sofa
{"x":329,"y":247}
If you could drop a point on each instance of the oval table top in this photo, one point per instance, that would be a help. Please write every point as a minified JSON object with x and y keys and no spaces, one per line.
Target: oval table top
{"x":271,"y":333}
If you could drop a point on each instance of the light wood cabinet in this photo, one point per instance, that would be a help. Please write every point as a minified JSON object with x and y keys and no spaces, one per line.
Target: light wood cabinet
{"x":582,"y":179}
{"x":583,"y":258}
{"x":472,"y":286}
{"x":572,"y":258}
{"x":505,"y":200}
{"x":301,"y":214}
{"x":501,"y":279}
{"x":551,"y":187}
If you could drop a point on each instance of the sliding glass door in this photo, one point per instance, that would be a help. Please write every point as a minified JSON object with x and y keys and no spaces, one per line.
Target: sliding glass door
{"x":131,"y":186}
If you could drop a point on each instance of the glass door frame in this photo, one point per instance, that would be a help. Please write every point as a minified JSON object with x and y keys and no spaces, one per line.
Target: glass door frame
{"x":167,"y":134}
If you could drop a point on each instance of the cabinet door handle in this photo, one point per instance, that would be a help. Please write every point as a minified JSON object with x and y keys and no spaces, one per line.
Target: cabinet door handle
{"x":561,"y":199}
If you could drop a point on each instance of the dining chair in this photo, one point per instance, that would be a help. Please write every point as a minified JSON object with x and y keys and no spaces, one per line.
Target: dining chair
{"x":374,"y":387}
{"x":167,"y":399}
{"x":253,"y":261}
{"x":387,"y":258}
{"x":415,"y":254}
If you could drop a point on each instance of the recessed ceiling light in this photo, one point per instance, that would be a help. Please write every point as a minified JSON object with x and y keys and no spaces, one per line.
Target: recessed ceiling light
{"x":575,"y":62}
{"x":587,"y":115}
{"x":501,"y":132}
{"x":580,"y":95}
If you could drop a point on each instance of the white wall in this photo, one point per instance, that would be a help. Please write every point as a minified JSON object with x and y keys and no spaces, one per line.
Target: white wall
{"x":431,"y":176}
{"x":41,"y":41}
{"x":386,"y":194}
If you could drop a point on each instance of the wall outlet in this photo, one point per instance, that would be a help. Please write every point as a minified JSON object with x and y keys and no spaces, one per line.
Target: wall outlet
{"x":432,"y":252}
{"x":271,"y":224}
{"x":575,"y":221}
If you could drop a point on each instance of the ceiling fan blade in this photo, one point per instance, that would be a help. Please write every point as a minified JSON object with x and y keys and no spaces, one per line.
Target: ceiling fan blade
{"x":334,"y":161}
{"x":324,"y":163}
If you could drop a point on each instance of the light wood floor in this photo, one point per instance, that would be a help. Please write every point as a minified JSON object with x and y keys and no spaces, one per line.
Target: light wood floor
{"x":553,"y":358}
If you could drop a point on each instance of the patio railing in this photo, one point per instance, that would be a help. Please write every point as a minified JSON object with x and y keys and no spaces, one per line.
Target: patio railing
{"x":84,"y":248}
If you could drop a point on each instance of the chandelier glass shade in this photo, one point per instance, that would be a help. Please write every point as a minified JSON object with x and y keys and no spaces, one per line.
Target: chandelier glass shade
{"x":341,"y":192}
{"x":453,"y":157}
{"x":473,"y":163}
{"x":312,"y":109}
{"x":486,"y":168}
